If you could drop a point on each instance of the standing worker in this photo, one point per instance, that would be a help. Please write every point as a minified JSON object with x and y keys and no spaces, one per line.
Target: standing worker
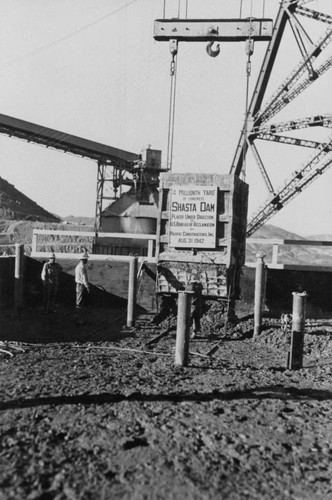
{"x":196,"y":309}
{"x":50,"y":279}
{"x":82,"y":283}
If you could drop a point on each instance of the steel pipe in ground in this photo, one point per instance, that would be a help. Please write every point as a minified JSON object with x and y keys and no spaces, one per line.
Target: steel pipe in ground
{"x":19,"y":273}
{"x":183,"y":329}
{"x":295,"y":357}
{"x":259,"y":292}
{"x":132,"y":286}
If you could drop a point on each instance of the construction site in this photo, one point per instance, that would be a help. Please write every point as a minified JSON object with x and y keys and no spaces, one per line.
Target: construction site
{"x":177,"y":344}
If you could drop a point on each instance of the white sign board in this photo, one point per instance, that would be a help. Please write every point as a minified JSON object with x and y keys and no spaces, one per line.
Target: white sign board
{"x":193,"y":213}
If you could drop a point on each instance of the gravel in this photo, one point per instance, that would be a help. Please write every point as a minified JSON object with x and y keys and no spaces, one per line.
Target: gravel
{"x":91,"y":409}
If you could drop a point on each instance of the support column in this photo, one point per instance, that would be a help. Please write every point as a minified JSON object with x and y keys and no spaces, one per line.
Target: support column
{"x":183,"y":329}
{"x":295,"y":357}
{"x":19,"y":272}
{"x":132,"y":286}
{"x":259,"y":292}
{"x":34,"y":242}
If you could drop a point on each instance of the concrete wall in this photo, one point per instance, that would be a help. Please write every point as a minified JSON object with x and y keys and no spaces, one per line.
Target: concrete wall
{"x":279,"y":287}
{"x":7,"y":282}
{"x":110,"y":285}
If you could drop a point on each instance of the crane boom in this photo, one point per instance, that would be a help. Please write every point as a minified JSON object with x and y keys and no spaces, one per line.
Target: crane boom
{"x":283,"y":95}
{"x":261,"y":84}
{"x":293,"y":141}
{"x":313,"y":14}
{"x":300,"y":123}
{"x":299,"y":180}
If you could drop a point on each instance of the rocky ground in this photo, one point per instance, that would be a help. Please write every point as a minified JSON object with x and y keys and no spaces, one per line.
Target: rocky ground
{"x":91,"y":409}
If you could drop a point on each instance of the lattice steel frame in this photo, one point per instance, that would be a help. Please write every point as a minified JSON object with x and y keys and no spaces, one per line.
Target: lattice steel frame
{"x":258,"y":117}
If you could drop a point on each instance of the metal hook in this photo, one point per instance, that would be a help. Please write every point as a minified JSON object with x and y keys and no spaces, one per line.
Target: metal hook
{"x":213,"y":52}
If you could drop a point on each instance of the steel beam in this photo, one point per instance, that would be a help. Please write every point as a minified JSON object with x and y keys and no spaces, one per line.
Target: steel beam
{"x":299,"y":123}
{"x":206,"y":30}
{"x":294,"y":141}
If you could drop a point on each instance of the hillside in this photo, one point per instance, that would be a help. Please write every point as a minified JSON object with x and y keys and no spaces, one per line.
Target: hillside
{"x":289,"y":254}
{"x":81,"y":221}
{"x":270,"y":231}
{"x":14,"y":205}
{"x":320,"y":237}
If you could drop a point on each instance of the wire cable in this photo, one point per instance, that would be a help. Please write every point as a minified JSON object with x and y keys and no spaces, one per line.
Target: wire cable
{"x":249,"y":50}
{"x":64,"y":38}
{"x":171,"y":120}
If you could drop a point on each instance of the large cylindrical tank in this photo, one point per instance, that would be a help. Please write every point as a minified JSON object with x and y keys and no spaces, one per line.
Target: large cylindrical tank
{"x":132,"y":213}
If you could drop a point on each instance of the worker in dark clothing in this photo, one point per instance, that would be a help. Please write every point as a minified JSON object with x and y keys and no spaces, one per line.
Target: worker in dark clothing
{"x":50,"y":279}
{"x":196,"y":309}
{"x":167,"y":308}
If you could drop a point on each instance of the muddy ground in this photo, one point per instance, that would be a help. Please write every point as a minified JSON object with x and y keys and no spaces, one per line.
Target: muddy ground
{"x":91,"y":409}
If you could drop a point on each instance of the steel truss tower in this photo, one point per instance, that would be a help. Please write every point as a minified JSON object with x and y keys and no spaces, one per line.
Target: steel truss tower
{"x":258,"y":125}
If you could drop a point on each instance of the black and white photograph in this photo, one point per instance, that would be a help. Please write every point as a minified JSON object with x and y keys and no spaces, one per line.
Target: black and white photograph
{"x":165,"y":250}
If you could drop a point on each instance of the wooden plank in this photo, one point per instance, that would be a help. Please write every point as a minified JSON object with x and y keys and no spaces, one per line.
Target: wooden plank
{"x":276,"y":241}
{"x":136,"y":236}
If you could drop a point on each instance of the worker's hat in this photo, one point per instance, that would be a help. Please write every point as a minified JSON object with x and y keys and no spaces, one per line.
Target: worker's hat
{"x":84,"y":256}
{"x":52,"y":256}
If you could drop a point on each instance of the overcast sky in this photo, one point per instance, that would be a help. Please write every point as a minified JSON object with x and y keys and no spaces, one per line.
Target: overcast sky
{"x":92,"y":68}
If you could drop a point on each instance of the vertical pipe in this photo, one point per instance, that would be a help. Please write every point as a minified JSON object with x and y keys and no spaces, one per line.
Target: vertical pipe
{"x":275,"y":251}
{"x":298,"y":321}
{"x":259,"y":292}
{"x":132,"y":284}
{"x":34,"y":242}
{"x":19,"y":271}
{"x":183,"y":329}
{"x":150,"y":248}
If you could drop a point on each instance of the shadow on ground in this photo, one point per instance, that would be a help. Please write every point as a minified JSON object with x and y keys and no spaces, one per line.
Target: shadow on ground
{"x":260,"y":393}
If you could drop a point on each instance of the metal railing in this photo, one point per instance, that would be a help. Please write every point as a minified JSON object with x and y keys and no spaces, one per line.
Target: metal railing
{"x":276,"y":243}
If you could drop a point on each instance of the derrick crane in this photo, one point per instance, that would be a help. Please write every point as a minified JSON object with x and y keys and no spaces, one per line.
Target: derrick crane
{"x":257,"y":123}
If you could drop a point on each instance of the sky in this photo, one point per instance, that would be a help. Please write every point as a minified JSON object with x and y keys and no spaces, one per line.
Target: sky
{"x":91,"y":68}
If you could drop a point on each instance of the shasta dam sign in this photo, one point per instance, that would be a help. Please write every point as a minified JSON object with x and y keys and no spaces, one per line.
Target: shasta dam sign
{"x":193,"y":212}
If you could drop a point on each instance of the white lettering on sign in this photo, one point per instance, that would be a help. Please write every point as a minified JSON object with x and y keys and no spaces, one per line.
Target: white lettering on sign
{"x":193,"y":215}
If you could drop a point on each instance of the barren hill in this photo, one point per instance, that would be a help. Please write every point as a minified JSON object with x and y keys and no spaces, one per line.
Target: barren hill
{"x":14,"y":205}
{"x":289,"y":254}
{"x":270,"y":231}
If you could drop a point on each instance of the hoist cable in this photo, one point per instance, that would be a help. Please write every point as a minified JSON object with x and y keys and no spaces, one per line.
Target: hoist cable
{"x":170,"y":137}
{"x":245,"y":125}
{"x":263,"y":13}
{"x":249,"y":49}
{"x":240,"y":9}
{"x":164,"y":9}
